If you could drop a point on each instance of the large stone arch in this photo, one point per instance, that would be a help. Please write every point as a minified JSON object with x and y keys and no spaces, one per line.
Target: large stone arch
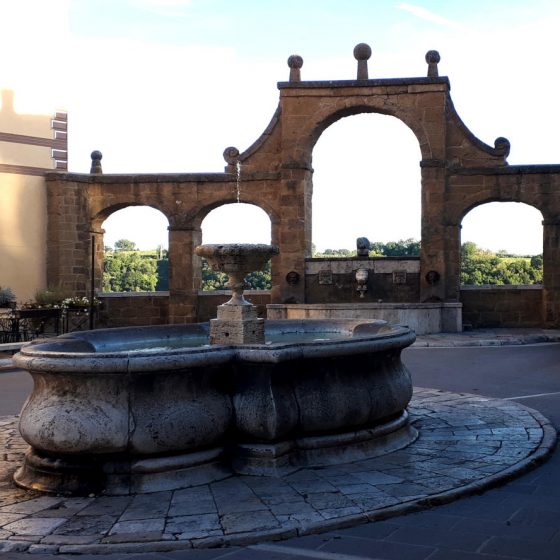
{"x":457,"y":171}
{"x":359,"y":108}
{"x":358,"y":165}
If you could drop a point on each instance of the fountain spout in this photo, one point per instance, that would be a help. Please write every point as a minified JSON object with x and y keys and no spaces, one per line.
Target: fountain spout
{"x":361,"y":279}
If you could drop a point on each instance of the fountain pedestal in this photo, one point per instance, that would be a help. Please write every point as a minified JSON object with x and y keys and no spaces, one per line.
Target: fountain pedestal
{"x":237,"y":324}
{"x":237,"y":321}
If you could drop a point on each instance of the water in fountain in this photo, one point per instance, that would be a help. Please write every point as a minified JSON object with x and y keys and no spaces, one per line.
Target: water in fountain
{"x":238,"y":180}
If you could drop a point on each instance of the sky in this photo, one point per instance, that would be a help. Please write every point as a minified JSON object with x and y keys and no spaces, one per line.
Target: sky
{"x":166,"y":85}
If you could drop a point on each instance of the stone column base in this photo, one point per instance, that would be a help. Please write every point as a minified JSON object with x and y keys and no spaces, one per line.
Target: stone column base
{"x":284,"y":457}
{"x":237,"y":324}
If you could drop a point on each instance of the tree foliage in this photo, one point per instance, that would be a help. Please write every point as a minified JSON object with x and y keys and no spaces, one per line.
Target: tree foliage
{"x":129,"y":272}
{"x":126,"y":269}
{"x":402,"y":248}
{"x":125,"y":245}
{"x":213,"y":280}
{"x":480,"y":266}
{"x":135,"y":270}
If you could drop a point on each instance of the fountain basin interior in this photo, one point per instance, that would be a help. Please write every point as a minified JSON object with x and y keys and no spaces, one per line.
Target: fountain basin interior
{"x":142,"y":409}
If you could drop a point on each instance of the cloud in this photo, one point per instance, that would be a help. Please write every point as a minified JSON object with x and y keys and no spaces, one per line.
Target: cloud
{"x":427,"y":15}
{"x":161,"y":3}
{"x":164,"y":8}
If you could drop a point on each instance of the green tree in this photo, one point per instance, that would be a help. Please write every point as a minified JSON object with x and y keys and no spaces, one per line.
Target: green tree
{"x":260,"y":279}
{"x":480,"y":266}
{"x":129,"y":272}
{"x":402,"y":248}
{"x":162,"y":275}
{"x":537,"y":261}
{"x":125,"y":245}
{"x":213,"y":280}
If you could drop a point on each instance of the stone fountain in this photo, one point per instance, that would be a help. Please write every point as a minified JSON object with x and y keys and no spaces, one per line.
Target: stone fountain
{"x":237,"y":321}
{"x":143,"y":409}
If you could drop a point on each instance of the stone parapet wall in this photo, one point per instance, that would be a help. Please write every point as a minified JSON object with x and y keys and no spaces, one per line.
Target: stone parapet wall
{"x":390,"y":279}
{"x":502,"y":306}
{"x":126,"y":309}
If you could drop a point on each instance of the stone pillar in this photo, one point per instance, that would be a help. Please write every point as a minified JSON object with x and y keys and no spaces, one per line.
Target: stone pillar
{"x":97,"y":236}
{"x":551,"y":273}
{"x":441,"y":249}
{"x":452,"y":257}
{"x":68,"y":236}
{"x":184,"y":273}
{"x":292,"y":234}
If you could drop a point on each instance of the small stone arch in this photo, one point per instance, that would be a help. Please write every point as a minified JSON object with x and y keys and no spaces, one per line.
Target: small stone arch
{"x":97,"y":235}
{"x":199,"y":214}
{"x":473,"y":206}
{"x":101,"y":215}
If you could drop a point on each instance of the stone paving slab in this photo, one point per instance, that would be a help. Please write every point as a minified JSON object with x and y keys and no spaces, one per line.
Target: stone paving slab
{"x":467,"y":443}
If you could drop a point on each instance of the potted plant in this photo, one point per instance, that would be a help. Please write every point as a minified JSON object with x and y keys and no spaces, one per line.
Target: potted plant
{"x":45,"y":312}
{"x":78,"y":304}
{"x":7,"y":298}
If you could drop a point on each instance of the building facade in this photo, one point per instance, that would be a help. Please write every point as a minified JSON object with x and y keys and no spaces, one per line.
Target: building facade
{"x":30,"y":146}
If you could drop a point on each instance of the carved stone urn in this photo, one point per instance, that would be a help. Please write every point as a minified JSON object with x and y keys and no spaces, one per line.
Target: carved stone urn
{"x":237,"y":321}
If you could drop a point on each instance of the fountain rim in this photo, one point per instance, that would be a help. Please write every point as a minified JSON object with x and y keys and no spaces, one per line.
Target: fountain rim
{"x":236,"y":249}
{"x":81,"y":355}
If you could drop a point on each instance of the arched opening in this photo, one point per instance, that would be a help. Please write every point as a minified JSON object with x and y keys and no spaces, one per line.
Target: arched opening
{"x":135,"y":250}
{"x":366,"y":183}
{"x":236,"y":223}
{"x":502,"y":266}
{"x":501,"y":244}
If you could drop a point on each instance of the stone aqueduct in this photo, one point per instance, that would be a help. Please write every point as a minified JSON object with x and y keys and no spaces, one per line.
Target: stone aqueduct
{"x":458,"y":172}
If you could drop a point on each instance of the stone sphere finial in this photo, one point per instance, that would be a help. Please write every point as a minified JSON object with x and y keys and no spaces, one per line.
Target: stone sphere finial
{"x":295,"y":62}
{"x":231,"y":155}
{"x":362,"y":53}
{"x":432,"y":58}
{"x":96,"y":169}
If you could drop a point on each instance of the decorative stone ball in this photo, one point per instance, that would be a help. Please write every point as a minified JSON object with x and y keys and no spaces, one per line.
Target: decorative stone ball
{"x":502,"y":146}
{"x":295,"y":61}
{"x":96,"y":155}
{"x":432,"y":57}
{"x":231,"y":155}
{"x":362,"y":51}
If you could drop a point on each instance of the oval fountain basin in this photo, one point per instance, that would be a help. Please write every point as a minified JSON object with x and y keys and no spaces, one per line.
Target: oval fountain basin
{"x":145,"y":408}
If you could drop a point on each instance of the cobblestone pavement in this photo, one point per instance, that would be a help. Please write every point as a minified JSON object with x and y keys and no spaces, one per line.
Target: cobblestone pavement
{"x":466,"y":443}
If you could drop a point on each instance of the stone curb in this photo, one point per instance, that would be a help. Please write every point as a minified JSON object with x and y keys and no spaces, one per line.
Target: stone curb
{"x":464,"y":340}
{"x":6,"y":363}
{"x":538,"y":456}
